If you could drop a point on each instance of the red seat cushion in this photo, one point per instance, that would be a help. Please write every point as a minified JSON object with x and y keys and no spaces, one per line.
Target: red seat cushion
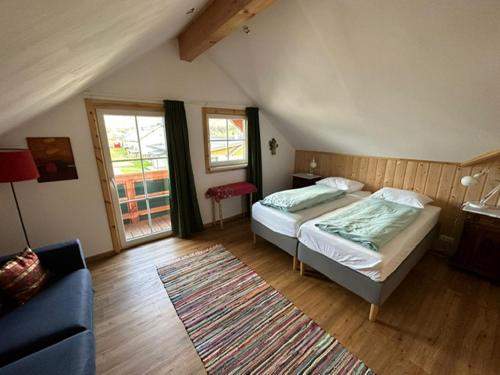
{"x":23,"y":277}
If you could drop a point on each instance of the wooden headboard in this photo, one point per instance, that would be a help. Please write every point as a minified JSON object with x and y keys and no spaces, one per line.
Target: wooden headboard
{"x":439,"y":180}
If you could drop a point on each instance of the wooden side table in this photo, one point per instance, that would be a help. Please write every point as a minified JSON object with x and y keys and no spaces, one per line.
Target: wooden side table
{"x":300,"y":180}
{"x":479,"y":247}
{"x":218,"y":193}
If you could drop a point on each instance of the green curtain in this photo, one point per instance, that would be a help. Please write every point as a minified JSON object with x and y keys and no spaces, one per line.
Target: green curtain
{"x":184,"y":209}
{"x":254,"y":170}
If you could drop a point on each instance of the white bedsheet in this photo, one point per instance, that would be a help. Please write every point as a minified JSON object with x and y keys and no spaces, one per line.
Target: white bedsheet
{"x":288,"y":223}
{"x":376,"y":265}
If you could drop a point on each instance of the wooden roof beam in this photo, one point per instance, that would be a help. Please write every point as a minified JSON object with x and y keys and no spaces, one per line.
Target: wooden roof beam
{"x":216,"y":22}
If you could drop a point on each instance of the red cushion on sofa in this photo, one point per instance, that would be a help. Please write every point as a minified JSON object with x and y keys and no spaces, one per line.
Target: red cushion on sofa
{"x":23,"y":277}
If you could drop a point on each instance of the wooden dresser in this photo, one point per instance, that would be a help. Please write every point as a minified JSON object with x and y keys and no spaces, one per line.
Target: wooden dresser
{"x":479,"y":247}
{"x":301,"y":180}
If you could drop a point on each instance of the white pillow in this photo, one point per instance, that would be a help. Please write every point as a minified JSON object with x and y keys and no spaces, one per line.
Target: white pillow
{"x":341,"y":183}
{"x":407,"y":197}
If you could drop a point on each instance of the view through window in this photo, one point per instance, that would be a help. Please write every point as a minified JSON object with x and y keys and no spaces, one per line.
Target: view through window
{"x":225,"y":139}
{"x":138,"y":156}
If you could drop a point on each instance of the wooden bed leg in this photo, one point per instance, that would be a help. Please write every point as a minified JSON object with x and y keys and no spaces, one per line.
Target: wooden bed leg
{"x":373,"y":313}
{"x":254,"y":238}
{"x":301,"y":268}
{"x":294,"y":265}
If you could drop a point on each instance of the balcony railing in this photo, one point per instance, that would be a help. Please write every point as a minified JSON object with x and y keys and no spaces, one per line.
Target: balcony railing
{"x":131,"y":192}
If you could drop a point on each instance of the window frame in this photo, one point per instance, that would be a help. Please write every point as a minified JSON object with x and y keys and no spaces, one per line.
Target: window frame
{"x":207,"y":113}
{"x":99,"y":112}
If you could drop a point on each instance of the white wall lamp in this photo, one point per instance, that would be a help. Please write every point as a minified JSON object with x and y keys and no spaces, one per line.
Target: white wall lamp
{"x":473,"y":180}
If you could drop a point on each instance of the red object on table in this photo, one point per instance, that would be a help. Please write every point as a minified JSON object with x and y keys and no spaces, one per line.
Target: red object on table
{"x":218,"y":193}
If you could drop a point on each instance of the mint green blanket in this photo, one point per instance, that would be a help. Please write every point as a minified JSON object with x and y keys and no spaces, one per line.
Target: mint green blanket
{"x":299,"y":199}
{"x":370,"y":222}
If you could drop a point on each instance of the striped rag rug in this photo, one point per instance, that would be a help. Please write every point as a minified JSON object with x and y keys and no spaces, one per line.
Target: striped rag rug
{"x":239,"y":324}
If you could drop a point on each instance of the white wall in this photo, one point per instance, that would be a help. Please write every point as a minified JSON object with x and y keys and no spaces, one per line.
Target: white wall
{"x":63,"y":210}
{"x":415,"y":79}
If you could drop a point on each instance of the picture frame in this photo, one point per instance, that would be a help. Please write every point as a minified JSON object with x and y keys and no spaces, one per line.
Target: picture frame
{"x":53,"y":157}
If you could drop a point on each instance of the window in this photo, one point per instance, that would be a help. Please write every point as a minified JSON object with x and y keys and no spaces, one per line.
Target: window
{"x":225,"y":132}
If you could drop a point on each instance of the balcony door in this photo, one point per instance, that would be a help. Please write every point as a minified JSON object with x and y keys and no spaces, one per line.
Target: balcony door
{"x":135,"y":152}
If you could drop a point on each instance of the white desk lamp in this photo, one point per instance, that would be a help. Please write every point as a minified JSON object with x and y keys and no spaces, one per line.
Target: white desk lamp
{"x":473,"y":180}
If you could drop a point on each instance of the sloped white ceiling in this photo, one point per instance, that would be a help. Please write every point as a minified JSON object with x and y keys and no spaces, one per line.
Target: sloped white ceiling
{"x":52,"y":49}
{"x":418,"y":79}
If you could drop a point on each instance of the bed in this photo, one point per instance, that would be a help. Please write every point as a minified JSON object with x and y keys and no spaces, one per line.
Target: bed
{"x":281,"y":228}
{"x":371,"y":275}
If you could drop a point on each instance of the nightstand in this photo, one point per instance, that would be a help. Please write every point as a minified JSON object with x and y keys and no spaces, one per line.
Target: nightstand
{"x":479,"y":247}
{"x":301,"y":180}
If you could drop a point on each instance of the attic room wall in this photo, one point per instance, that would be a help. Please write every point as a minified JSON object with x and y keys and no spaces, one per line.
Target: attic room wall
{"x":61,"y":210}
{"x":391,"y":78}
{"x":64,"y":210}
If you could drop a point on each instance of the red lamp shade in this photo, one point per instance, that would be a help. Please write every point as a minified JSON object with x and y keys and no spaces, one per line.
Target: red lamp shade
{"x":17,"y":165}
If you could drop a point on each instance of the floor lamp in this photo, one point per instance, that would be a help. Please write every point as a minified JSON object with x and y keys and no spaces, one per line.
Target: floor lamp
{"x":17,"y":165}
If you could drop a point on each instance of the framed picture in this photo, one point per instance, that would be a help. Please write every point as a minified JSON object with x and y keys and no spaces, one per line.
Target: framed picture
{"x":53,"y":157}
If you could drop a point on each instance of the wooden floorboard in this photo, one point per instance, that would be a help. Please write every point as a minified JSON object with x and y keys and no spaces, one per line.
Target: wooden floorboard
{"x":439,"y":321}
{"x":142,"y":228}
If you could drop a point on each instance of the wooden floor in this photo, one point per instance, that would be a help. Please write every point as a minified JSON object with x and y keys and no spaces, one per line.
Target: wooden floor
{"x":439,"y":321}
{"x":142,"y":228}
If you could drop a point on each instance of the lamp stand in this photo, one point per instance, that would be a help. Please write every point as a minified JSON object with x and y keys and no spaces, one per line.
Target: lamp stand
{"x":19,"y":213}
{"x":489,"y":195}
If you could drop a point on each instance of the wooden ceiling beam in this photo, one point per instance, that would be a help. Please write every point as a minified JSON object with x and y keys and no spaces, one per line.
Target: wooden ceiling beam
{"x":216,"y":22}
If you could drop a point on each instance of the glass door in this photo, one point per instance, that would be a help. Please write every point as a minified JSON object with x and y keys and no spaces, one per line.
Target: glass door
{"x":136,"y":159}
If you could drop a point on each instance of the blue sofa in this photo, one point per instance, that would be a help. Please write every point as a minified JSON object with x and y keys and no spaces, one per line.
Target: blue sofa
{"x":53,"y":332}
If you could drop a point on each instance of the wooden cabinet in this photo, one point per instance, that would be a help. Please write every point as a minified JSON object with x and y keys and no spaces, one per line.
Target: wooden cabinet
{"x":304,"y":179}
{"x":479,"y":248}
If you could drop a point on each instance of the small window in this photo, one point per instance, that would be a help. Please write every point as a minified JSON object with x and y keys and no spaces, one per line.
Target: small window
{"x":226,"y":144}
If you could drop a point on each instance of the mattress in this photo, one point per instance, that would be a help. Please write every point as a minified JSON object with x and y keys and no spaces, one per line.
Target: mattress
{"x":288,"y":223}
{"x":376,"y":265}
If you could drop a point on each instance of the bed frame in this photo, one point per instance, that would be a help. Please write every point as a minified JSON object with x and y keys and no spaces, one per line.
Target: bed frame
{"x":286,"y":243}
{"x":372,"y":291}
